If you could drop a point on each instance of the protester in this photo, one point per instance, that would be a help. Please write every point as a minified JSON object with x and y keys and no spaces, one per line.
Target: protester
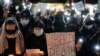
{"x":59,"y":24}
{"x":11,"y":39}
{"x":48,"y":23}
{"x":25,"y":24}
{"x":38,"y":38}
{"x":88,"y":31}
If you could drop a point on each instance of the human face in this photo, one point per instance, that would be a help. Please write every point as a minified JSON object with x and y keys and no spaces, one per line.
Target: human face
{"x":38,"y":31}
{"x":10,"y":27}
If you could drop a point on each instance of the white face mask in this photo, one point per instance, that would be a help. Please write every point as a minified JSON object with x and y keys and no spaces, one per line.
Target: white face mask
{"x":38,"y":32}
{"x":24,"y":22}
{"x":89,"y":26}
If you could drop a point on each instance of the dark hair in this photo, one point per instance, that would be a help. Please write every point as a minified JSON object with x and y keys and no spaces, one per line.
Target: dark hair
{"x":39,"y":23}
{"x":25,"y":13}
{"x":11,"y":22}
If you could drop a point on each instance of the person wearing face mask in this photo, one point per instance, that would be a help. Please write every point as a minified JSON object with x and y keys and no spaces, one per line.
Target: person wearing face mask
{"x":38,"y":38}
{"x":88,"y":25}
{"x":88,"y":32}
{"x":25,"y":25}
{"x":25,"y":18}
{"x":11,"y":38}
{"x":96,"y":36}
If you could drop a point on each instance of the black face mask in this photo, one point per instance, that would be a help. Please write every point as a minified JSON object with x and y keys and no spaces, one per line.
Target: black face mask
{"x":10,"y":31}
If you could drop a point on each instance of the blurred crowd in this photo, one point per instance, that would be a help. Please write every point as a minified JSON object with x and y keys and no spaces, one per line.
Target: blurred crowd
{"x":24,"y":30}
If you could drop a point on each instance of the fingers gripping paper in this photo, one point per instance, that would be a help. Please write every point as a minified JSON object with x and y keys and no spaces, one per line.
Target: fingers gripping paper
{"x":61,"y":44}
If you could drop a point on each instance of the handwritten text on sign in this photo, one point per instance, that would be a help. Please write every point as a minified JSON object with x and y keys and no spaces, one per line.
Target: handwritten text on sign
{"x":61,"y":44}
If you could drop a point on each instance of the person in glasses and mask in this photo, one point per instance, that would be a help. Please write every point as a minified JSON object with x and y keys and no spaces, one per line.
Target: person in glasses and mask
{"x":38,"y":39}
{"x":88,"y":32}
{"x":25,"y":18}
{"x":25,"y":25}
{"x":96,"y":36}
{"x":11,"y":39}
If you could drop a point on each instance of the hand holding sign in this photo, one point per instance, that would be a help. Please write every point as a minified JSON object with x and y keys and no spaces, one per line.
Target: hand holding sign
{"x":79,"y":44}
{"x":34,"y":52}
{"x":78,"y":47}
{"x":98,"y":53}
{"x":38,"y":53}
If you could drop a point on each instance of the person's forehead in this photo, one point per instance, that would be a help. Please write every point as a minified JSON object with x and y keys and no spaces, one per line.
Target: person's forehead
{"x":10,"y":24}
{"x":37,"y":27}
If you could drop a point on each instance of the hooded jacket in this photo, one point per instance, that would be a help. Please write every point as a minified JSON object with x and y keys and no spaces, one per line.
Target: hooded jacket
{"x":19,"y":44}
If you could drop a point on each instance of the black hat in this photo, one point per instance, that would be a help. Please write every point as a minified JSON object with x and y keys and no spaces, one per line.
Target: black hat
{"x":39,"y":24}
{"x":25,"y":13}
{"x":10,"y":22}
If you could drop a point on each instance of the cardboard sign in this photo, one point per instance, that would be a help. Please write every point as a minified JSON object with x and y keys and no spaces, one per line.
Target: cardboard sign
{"x":79,"y":6}
{"x":61,"y":44}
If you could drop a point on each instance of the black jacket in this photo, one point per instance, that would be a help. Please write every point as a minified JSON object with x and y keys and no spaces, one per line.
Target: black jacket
{"x":59,"y":24}
{"x":38,"y":43}
{"x":48,"y":25}
{"x":88,"y":45}
{"x":26,"y":31}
